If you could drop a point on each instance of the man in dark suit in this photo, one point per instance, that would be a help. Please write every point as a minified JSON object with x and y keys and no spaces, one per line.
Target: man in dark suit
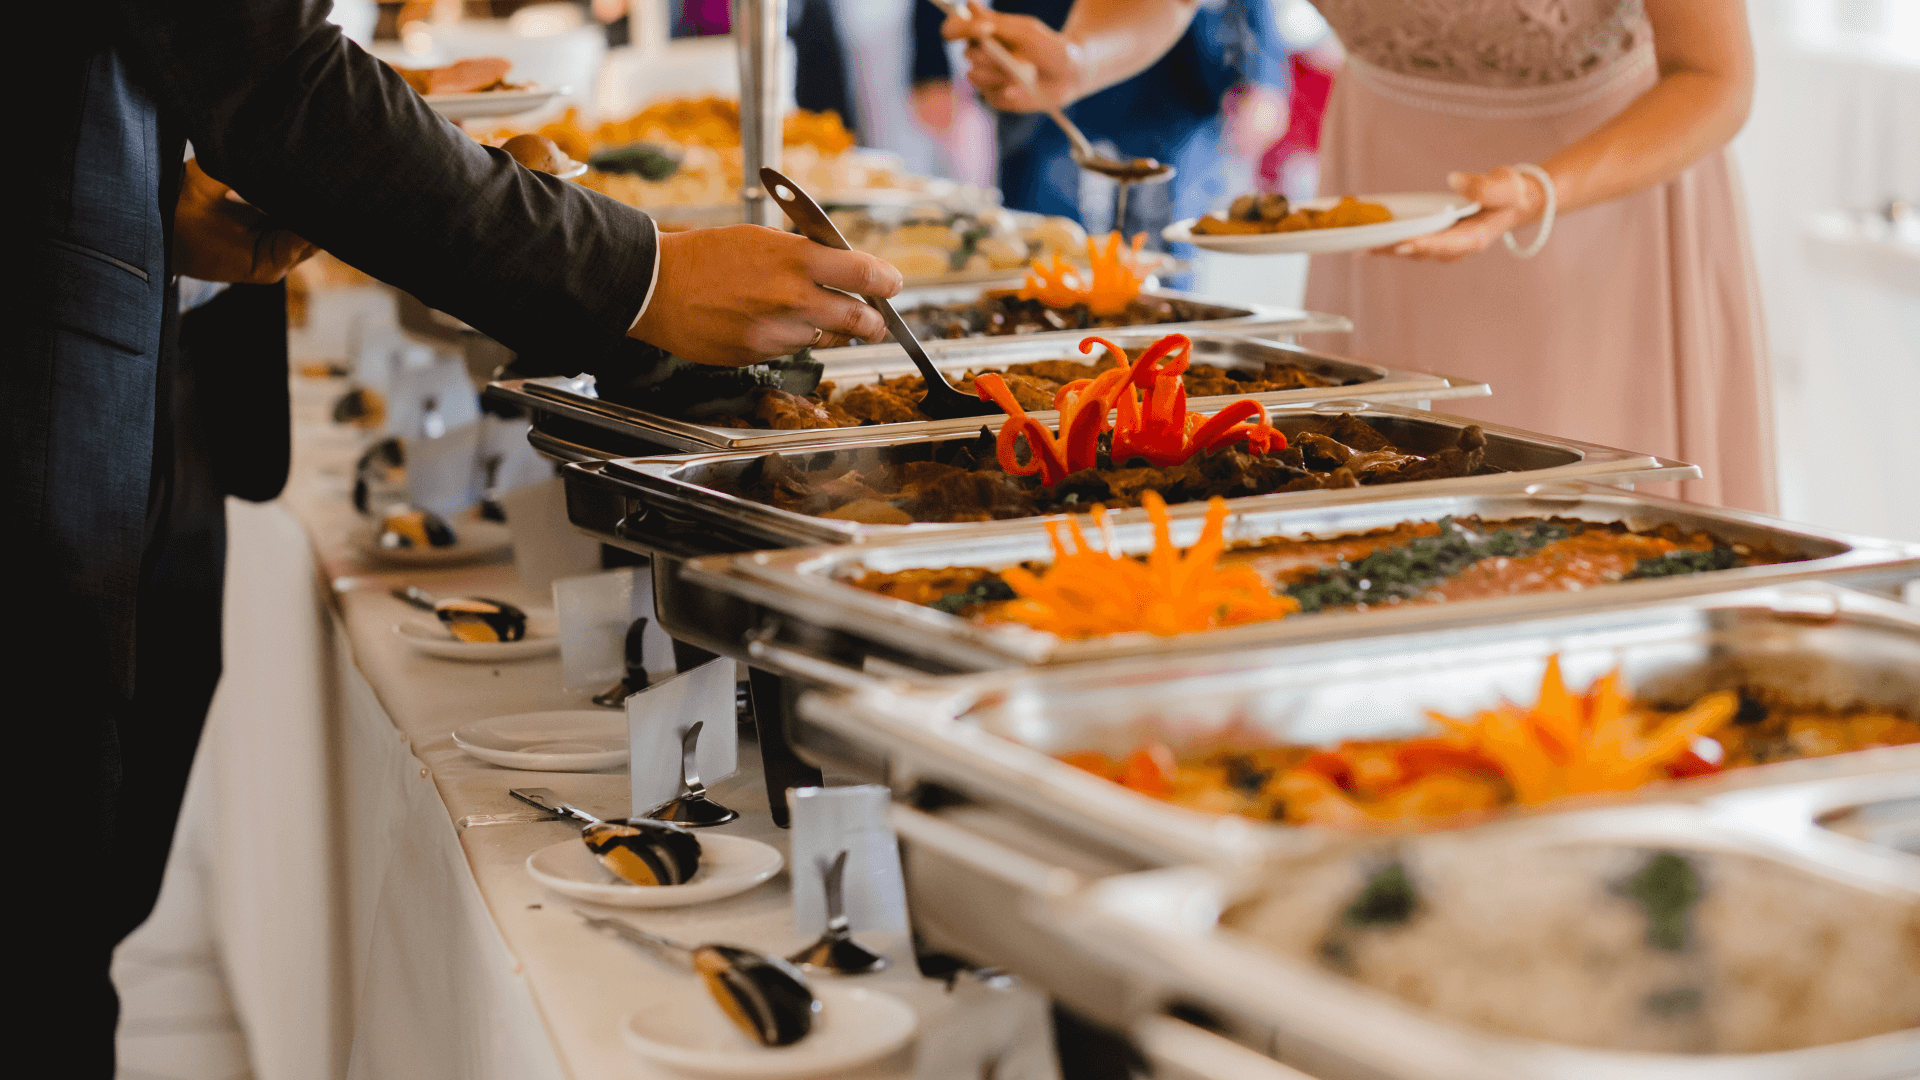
{"x":119,"y":445}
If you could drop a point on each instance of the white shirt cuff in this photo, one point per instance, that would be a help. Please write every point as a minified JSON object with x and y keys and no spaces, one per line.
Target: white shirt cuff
{"x":654,"y":281}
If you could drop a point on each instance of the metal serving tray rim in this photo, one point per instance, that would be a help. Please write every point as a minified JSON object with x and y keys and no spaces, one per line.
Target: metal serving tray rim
{"x":545,"y":393}
{"x":656,"y":475}
{"x":1157,"y":916}
{"x":775,"y":577}
{"x":928,"y":728}
{"x":1259,"y":318}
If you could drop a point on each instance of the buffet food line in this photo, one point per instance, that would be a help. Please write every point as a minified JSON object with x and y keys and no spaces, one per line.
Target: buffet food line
{"x":1265,"y":718}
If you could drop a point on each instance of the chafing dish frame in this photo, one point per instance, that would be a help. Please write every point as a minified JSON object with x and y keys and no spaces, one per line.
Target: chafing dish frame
{"x":566,"y":398}
{"x":800,"y":591}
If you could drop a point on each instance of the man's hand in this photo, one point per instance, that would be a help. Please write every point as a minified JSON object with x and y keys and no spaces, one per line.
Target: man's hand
{"x":744,"y":293}
{"x":1508,"y":199}
{"x":1055,"y":60}
{"x":217,"y":237}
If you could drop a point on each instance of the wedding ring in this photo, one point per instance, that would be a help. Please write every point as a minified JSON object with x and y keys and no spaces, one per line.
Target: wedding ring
{"x":817,"y":335}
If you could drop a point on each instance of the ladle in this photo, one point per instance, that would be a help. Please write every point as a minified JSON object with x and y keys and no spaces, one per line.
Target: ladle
{"x":691,"y":807}
{"x":1136,"y":171}
{"x":763,"y":996}
{"x":637,"y":851}
{"x":836,"y":952}
{"x":942,"y":402}
{"x":469,"y":618}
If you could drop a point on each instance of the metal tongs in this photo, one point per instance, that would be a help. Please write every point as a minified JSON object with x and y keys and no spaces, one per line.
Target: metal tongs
{"x":942,"y":402}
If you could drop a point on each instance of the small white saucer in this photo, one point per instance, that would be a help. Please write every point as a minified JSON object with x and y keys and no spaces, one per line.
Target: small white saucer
{"x":426,"y":634}
{"x":728,"y":865}
{"x":478,"y":539}
{"x":574,"y":741}
{"x":683,"y":1028}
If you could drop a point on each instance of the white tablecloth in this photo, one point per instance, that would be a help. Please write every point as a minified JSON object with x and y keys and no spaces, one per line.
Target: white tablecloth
{"x":362,"y":932}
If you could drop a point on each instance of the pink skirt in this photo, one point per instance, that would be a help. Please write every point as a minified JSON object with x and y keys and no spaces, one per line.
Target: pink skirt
{"x":1637,"y":325}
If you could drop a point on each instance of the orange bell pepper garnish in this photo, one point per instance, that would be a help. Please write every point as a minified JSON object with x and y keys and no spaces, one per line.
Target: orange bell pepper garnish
{"x":1110,"y":282}
{"x":1575,"y":744}
{"x":1089,"y":592}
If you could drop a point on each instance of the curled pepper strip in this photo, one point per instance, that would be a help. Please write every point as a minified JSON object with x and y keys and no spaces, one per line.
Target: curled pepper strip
{"x":1045,"y":456}
{"x":1149,"y":401}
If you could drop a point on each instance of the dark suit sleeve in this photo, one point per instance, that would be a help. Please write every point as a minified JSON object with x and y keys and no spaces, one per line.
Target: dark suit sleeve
{"x":334,"y":145}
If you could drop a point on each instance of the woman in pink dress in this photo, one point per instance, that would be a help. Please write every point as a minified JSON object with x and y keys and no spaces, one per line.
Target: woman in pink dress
{"x":1635,"y":324}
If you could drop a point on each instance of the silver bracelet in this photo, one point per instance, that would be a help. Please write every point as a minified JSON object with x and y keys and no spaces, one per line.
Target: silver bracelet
{"x":1546,"y":218}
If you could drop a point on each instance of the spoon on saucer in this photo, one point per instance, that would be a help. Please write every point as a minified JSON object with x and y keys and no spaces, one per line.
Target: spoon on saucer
{"x":836,"y":953}
{"x":637,"y":851}
{"x":764,"y":996}
{"x":470,"y":618}
{"x":691,"y":807}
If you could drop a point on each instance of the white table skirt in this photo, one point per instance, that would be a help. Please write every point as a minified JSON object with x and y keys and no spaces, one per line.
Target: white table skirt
{"x":363,"y":934}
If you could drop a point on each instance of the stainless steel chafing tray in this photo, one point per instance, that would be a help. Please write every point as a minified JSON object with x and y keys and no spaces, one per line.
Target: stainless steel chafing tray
{"x":682,"y":484}
{"x":1162,"y":936}
{"x":571,"y":399}
{"x":991,"y":739}
{"x":1001,"y":843}
{"x":1216,"y":317}
{"x":803,"y":593}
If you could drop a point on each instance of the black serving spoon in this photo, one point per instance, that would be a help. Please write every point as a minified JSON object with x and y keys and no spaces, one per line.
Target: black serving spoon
{"x":942,"y":402}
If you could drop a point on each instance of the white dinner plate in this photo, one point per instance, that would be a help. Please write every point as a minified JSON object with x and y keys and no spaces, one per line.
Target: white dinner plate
{"x":576,"y":740}
{"x":426,"y":634}
{"x":485,"y":103}
{"x":728,"y":865}
{"x":1415,"y":213}
{"x":475,"y":539}
{"x":683,"y":1028}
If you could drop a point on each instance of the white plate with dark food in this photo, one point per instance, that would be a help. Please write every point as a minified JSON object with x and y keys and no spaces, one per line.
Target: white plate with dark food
{"x":577,"y":740}
{"x":728,"y":865}
{"x":473,"y":539}
{"x":684,"y":1029}
{"x":429,"y":636}
{"x":1415,"y":213}
{"x":487,"y":103}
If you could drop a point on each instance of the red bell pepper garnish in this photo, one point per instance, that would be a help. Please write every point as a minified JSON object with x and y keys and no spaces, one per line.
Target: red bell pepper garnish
{"x":1219,"y":422}
{"x":1044,"y":453}
{"x":1144,"y":369}
{"x":1690,"y":764}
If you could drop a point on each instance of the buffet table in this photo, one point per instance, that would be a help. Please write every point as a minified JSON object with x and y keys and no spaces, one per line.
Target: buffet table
{"x":365,"y":932}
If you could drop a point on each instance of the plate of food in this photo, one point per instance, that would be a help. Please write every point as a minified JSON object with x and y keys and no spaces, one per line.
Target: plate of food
{"x":729,"y":865}
{"x":1271,"y":225}
{"x":408,"y":537}
{"x":427,"y":635}
{"x":476,"y":104}
{"x":686,"y":1032}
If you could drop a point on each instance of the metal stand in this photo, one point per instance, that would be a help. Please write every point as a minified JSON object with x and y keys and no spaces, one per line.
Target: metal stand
{"x":783,"y":767}
{"x":760,"y":32}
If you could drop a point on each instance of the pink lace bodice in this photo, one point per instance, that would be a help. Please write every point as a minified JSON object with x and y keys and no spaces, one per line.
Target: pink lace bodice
{"x":1505,"y":43}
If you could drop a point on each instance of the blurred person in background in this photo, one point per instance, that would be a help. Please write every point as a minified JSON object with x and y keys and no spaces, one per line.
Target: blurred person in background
{"x":1636,"y":323}
{"x":121,"y":443}
{"x":1172,"y":105}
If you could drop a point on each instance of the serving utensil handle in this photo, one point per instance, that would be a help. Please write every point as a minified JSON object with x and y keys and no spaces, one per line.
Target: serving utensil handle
{"x":672,"y":950}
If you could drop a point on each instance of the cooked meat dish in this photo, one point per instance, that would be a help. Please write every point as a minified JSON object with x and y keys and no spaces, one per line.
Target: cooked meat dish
{"x":1003,"y":314}
{"x":770,"y":396}
{"x":964,"y":480}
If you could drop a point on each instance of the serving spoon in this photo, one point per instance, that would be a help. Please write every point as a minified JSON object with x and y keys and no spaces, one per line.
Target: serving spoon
{"x":836,"y":953}
{"x":764,"y":996}
{"x":638,"y":851}
{"x":942,"y":402}
{"x":1135,"y":171}
{"x":691,"y":807}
